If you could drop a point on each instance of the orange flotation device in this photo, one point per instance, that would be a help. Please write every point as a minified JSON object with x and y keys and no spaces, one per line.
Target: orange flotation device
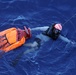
{"x":9,"y":39}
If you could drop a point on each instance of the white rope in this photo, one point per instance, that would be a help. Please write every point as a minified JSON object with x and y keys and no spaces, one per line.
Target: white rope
{"x":69,"y":19}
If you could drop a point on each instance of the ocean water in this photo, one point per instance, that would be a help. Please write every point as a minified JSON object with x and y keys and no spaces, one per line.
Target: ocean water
{"x":53,"y":57}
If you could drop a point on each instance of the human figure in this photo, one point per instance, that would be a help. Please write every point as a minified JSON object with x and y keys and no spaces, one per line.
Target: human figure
{"x":48,"y":32}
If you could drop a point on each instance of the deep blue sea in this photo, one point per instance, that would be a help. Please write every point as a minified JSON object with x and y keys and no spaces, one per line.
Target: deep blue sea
{"x":53,"y":57}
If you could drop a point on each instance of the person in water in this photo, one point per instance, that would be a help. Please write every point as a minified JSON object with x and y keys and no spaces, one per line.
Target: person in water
{"x":48,"y":32}
{"x":13,"y":37}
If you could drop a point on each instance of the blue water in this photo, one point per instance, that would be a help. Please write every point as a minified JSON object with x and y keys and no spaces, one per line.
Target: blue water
{"x":53,"y":57}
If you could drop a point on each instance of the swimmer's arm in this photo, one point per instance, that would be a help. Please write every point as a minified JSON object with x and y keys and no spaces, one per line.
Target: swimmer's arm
{"x":44,"y":28}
